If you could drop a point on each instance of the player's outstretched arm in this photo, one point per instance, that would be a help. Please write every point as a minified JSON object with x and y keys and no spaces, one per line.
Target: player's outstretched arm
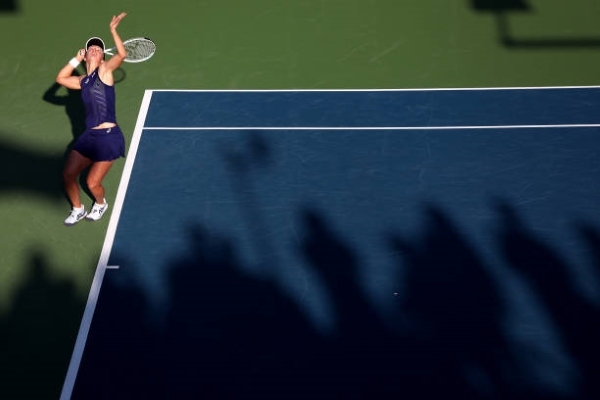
{"x":116,"y":60}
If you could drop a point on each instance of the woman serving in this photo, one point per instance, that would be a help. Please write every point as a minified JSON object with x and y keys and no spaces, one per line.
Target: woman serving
{"x":102,"y":142}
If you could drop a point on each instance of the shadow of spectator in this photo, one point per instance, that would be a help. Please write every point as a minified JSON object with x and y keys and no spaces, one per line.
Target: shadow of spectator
{"x":7,"y":6}
{"x":502,"y":9}
{"x":224,"y":334}
{"x":73,"y":105}
{"x":591,"y":237}
{"x":37,"y":334}
{"x":30,"y":171}
{"x":252,"y":340}
{"x":243,"y":160}
{"x":367,"y":357}
{"x":455,"y":313}
{"x":577,"y":318}
{"x":123,"y":357}
{"x":500,"y":6}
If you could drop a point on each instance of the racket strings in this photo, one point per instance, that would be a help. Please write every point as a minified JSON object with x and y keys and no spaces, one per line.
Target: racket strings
{"x":139,"y":50}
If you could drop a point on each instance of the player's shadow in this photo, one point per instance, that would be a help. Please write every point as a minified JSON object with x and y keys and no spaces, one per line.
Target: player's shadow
{"x":503,"y":9}
{"x":37,"y":332}
{"x":577,"y":317}
{"x":71,"y":100}
{"x":119,"y":75}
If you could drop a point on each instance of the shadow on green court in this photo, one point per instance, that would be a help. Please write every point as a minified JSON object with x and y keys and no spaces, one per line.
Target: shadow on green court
{"x":9,"y":6}
{"x":37,"y":333}
{"x":73,"y":105}
{"x":27,"y":170}
{"x":503,"y":9}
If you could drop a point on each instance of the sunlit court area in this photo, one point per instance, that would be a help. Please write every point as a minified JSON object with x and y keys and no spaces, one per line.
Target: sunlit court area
{"x":332,"y":200}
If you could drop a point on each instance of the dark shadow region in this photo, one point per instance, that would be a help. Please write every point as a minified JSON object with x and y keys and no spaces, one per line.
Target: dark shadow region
{"x":225,"y":334}
{"x":549,"y":275}
{"x":502,"y":9}
{"x":32,"y":171}
{"x":37,"y":333}
{"x":9,"y":6}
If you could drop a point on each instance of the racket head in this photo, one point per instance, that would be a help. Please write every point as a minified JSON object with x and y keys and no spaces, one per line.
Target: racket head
{"x":139,"y":49}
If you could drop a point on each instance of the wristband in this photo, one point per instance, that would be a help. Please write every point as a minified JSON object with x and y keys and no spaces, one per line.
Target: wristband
{"x":74,"y":62}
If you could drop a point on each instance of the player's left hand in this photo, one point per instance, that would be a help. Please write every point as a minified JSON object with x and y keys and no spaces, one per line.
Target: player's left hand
{"x":115,"y":20}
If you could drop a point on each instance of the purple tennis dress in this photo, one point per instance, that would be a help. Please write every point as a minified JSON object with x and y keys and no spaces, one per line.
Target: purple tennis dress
{"x":99,"y":100}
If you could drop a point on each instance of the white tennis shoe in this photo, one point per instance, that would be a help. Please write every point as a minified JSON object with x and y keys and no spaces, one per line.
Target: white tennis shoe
{"x":77,"y":214}
{"x":97,"y":211}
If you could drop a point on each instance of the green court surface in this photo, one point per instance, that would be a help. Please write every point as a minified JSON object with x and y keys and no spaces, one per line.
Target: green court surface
{"x":46,"y":269}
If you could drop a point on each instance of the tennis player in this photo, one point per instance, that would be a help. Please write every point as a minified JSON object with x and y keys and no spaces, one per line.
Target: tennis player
{"x":102,"y":142}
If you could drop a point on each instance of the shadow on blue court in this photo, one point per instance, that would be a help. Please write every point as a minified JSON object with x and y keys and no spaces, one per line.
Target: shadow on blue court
{"x":407,"y":253}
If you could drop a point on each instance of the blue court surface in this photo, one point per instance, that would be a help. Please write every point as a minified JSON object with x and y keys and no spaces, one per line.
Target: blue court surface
{"x":351,"y":244}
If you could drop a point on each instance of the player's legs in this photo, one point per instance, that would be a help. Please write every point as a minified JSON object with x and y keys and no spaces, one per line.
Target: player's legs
{"x":76,"y":163}
{"x":94,"y":179}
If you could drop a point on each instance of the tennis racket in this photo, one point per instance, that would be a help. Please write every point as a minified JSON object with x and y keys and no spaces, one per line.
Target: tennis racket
{"x":138,"y":49}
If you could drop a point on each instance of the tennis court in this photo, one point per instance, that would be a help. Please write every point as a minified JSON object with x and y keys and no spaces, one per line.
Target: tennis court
{"x":348,"y":244}
{"x":316,"y":173}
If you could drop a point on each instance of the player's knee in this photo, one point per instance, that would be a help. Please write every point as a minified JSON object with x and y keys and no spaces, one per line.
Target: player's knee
{"x":93,"y":183}
{"x":69,"y":175}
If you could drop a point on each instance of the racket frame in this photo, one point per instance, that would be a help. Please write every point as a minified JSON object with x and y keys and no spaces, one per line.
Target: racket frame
{"x":111,"y":51}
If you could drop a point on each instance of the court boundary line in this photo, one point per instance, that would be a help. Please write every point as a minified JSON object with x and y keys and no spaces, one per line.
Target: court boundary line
{"x":102,"y":266}
{"x":367,"y":128}
{"x":380,"y":90}
{"x":372,"y":128}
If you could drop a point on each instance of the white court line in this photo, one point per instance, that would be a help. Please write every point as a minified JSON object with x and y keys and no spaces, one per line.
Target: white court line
{"x":102,"y":266}
{"x":364,"y":128}
{"x":90,"y":306}
{"x":372,"y":90}
{"x":371,"y":128}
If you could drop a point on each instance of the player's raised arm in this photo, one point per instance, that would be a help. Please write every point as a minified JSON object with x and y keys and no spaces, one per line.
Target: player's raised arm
{"x":116,"y":60}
